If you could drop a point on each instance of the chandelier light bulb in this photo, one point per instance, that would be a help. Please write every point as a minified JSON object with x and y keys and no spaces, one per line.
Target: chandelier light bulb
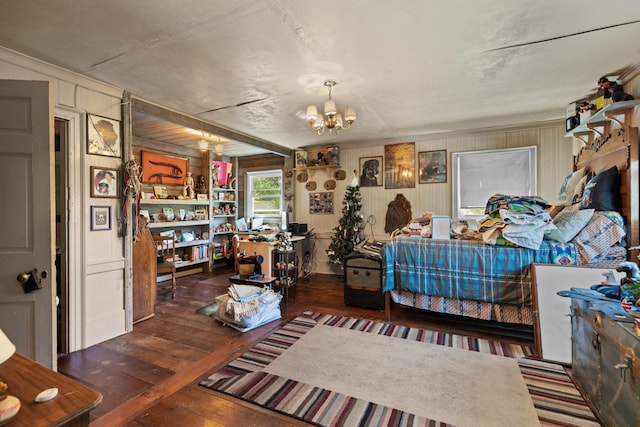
{"x":330,"y":108}
{"x":312,"y":113}
{"x":349,"y":114}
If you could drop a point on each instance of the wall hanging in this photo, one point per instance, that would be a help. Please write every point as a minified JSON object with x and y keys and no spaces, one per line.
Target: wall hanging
{"x":103,"y":136}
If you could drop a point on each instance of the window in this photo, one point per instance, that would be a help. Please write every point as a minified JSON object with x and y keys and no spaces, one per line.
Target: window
{"x":478,"y":175}
{"x":264,"y":191}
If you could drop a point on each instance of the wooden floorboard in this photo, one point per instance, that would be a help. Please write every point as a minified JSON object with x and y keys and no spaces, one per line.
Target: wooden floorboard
{"x":150,"y":376}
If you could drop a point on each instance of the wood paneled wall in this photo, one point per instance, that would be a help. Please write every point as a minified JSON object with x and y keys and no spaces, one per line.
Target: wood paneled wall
{"x":554,"y":164}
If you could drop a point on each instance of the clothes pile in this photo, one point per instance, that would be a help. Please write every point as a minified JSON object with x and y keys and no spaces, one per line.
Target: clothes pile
{"x":516,"y":220}
{"x":245,"y":307}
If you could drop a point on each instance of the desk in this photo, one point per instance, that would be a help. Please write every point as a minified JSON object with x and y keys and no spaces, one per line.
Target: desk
{"x":255,"y":248}
{"x":261,"y":248}
{"x":27,"y":378}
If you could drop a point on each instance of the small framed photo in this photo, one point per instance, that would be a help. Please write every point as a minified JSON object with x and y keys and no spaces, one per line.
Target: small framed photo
{"x":160,"y":191}
{"x":433,"y":166}
{"x":301,"y":159}
{"x":100,"y":218}
{"x":370,"y":169}
{"x":104,"y":182}
{"x":103,"y":136}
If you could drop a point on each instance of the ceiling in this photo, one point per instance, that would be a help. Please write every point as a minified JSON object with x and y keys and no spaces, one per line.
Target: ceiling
{"x":410,"y":68}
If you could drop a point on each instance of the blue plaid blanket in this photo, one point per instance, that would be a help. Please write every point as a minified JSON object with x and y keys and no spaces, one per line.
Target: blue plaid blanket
{"x":466,"y":269}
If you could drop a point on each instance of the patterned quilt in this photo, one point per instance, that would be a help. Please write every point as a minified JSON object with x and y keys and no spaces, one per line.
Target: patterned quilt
{"x":466,"y":269}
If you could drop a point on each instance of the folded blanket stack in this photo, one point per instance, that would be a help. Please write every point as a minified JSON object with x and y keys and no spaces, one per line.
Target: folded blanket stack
{"x":244,"y":293}
{"x":520,"y":221}
{"x":246,"y":301}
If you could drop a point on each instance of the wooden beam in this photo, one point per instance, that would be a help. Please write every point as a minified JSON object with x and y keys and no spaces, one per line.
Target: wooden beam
{"x":194,"y":122}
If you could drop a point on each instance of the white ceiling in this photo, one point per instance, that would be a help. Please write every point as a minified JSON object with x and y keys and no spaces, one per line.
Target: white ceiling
{"x":410,"y":67}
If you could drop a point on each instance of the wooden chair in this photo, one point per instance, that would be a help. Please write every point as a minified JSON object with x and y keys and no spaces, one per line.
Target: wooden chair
{"x":166,"y":262}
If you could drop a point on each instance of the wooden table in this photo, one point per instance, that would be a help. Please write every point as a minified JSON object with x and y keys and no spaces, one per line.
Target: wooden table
{"x":27,"y":378}
{"x":245,"y":279}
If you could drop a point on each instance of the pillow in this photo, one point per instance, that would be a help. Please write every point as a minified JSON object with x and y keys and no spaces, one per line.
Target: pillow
{"x":577,"y":195}
{"x":568,"y":224}
{"x":602,"y":192}
{"x":555,"y":210}
{"x":567,"y":188}
{"x":562,"y":191}
{"x":597,"y":237}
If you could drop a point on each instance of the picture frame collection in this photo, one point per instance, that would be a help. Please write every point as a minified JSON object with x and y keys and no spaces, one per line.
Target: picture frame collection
{"x":104,"y":138}
{"x":398,"y":167}
{"x":395,"y":170}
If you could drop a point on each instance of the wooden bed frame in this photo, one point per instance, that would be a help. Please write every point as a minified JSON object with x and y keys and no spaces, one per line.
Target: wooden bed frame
{"x":618,"y":147}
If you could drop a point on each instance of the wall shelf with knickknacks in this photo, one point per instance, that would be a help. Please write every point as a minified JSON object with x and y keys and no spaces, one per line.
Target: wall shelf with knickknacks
{"x":224,"y":210}
{"x":188,"y":222}
{"x":618,"y":114}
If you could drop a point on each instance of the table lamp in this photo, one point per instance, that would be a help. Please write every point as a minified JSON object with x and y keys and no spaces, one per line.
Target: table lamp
{"x":9,"y":405}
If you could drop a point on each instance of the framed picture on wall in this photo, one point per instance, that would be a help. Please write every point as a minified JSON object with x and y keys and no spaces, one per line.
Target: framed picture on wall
{"x":370,"y":168}
{"x":104,"y":137}
{"x":301,"y":159}
{"x":432,"y":166}
{"x":163,"y":169}
{"x":104,"y":182}
{"x":100,"y":218}
{"x":320,"y":203}
{"x":400,"y":165}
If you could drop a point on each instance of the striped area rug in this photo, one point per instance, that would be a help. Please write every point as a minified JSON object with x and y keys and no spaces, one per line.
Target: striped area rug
{"x":556,"y":399}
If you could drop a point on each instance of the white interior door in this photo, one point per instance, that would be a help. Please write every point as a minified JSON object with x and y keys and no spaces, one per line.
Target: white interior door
{"x":26,"y":217}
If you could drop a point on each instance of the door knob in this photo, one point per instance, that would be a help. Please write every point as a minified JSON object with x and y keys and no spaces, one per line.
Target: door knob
{"x":29,"y":280}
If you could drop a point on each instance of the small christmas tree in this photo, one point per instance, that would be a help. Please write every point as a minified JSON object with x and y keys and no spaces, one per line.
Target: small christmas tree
{"x":349,"y":231}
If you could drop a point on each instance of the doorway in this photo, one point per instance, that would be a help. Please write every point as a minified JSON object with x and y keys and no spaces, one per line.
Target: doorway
{"x":61,"y":234}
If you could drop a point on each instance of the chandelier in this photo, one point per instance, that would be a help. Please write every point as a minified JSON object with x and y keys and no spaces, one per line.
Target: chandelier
{"x":333,"y":120}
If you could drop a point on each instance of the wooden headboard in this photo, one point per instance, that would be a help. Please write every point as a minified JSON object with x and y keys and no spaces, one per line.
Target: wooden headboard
{"x":619,"y":148}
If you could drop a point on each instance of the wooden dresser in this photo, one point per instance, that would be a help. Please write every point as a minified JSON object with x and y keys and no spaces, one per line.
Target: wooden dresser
{"x":144,"y":276}
{"x":26,"y":379}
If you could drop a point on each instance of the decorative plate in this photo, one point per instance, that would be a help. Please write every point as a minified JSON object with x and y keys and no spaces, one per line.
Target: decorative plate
{"x":329,"y":184}
{"x":302,"y":177}
{"x":340,"y":175}
{"x":311,"y":185}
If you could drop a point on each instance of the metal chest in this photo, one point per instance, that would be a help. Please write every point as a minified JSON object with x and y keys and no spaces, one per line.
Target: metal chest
{"x":363,"y":281}
{"x":606,"y":364}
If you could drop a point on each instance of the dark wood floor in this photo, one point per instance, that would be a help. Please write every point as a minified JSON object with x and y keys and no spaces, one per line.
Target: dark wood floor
{"x":149,"y":377}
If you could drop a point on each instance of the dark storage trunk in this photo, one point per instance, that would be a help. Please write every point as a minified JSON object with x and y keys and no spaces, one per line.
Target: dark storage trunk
{"x":363,"y":281}
{"x":606,"y":363}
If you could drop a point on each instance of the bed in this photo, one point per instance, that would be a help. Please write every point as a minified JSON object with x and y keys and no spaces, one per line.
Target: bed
{"x":493,"y":282}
